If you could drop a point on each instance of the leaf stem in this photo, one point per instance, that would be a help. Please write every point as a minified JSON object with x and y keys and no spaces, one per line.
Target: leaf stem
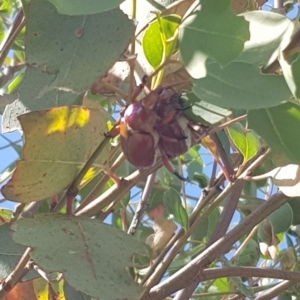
{"x":143,"y":204}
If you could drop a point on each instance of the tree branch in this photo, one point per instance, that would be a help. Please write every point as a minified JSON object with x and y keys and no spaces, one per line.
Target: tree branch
{"x":220,"y":230}
{"x":277,"y":290}
{"x":143,"y":204}
{"x":192,"y":272}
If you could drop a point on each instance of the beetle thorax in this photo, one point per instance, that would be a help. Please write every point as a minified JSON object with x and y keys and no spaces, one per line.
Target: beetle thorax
{"x":140,"y":118}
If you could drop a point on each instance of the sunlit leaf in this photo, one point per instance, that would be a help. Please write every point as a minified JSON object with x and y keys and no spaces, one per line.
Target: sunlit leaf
{"x":201,"y":38}
{"x":244,"y":140}
{"x":287,"y":179}
{"x":249,"y":256}
{"x":270,"y":33}
{"x":58,"y":142}
{"x":291,"y":72}
{"x":156,"y":35}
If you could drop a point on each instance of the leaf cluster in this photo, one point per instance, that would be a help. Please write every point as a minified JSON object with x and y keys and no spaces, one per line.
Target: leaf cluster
{"x":89,"y":225}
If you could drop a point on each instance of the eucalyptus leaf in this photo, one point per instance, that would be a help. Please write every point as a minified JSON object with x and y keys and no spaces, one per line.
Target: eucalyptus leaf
{"x":240,"y":85}
{"x":11,"y":253}
{"x":244,"y":140}
{"x":201,"y":38}
{"x":155,"y":42}
{"x":102,"y":251}
{"x":291,"y":71}
{"x":59,"y":141}
{"x":279,"y":127}
{"x":74,"y":50}
{"x":87,"y":7}
{"x":172,"y":202}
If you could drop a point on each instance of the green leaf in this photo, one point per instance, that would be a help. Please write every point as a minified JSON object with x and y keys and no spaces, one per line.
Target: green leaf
{"x":73,"y":50}
{"x":58,"y":143}
{"x":280,"y":220}
{"x":203,"y":112}
{"x":285,"y":296}
{"x":200,"y":233}
{"x":215,"y":32}
{"x":291,"y":72}
{"x":244,"y":140}
{"x":10,"y":254}
{"x":172,"y":202}
{"x":155,"y":199}
{"x":240,"y":86}
{"x":13,"y":85}
{"x":201,"y":179}
{"x":279,"y":127}
{"x":269,"y":33}
{"x":92,"y":255}
{"x":195,"y":166}
{"x":87,"y":7}
{"x":221,"y":284}
{"x":35,"y":94}
{"x":213,"y":220}
{"x":295,"y":205}
{"x":153,"y":45}
{"x":72,"y":294}
{"x":249,"y":256}
{"x":5,"y":215}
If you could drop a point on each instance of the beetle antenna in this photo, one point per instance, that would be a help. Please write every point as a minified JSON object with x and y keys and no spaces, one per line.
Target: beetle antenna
{"x":179,"y":176}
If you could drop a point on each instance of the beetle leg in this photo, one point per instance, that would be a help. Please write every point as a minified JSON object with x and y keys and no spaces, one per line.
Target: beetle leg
{"x":169,"y":117}
{"x":119,"y":128}
{"x":123,"y":130}
{"x":172,"y":140}
{"x":168,"y":165}
{"x":113,"y":176}
{"x":139,"y":89}
{"x":115,"y":131}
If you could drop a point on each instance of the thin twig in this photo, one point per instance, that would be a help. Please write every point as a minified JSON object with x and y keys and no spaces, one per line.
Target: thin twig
{"x":227,"y":213}
{"x":214,"y":273}
{"x":11,"y":144}
{"x":158,"y":269}
{"x":73,"y":189}
{"x":213,"y":174}
{"x":245,"y":242}
{"x":16,"y":275}
{"x":95,"y":191}
{"x":115,"y":193}
{"x":223,"y":155}
{"x":143,"y":205}
{"x":277,"y":290}
{"x":193,"y":271}
{"x":11,"y":34}
{"x":227,"y":124}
